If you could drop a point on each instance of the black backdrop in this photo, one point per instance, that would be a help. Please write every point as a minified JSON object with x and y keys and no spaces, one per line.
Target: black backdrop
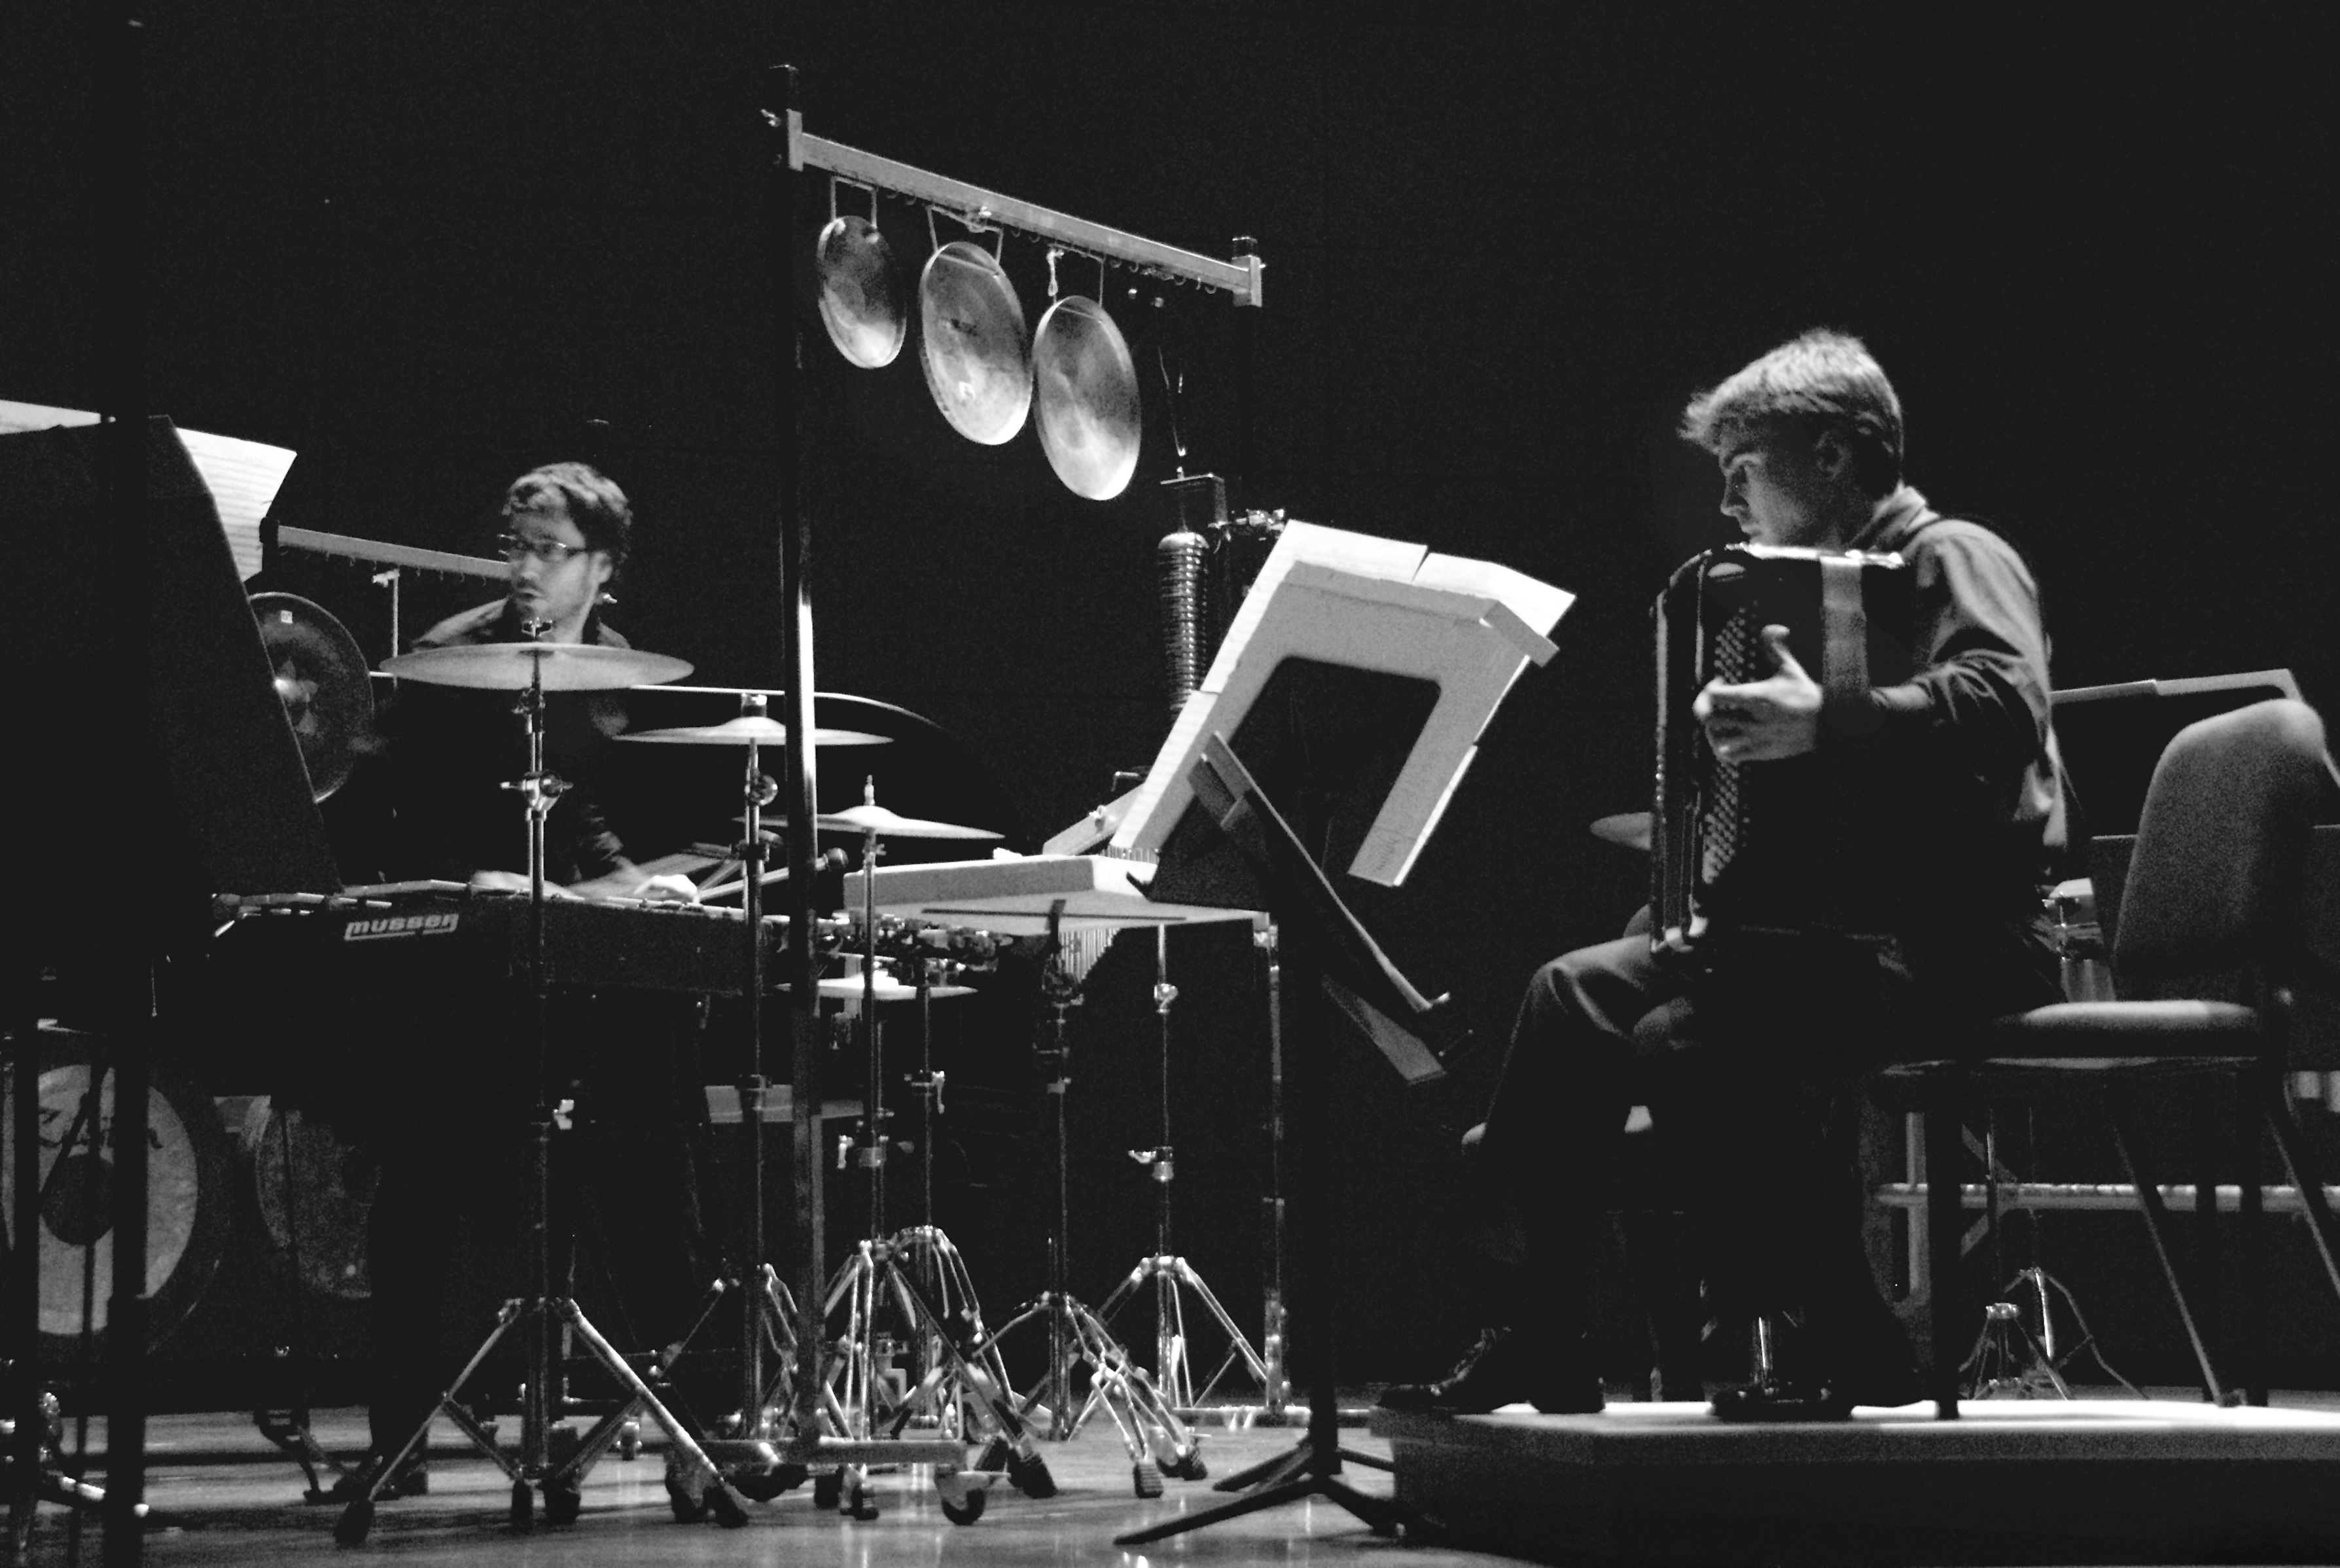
{"x":427,"y":244}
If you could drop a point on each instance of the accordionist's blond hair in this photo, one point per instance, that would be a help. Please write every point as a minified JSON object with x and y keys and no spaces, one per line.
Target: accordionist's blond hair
{"x":1821,"y":380}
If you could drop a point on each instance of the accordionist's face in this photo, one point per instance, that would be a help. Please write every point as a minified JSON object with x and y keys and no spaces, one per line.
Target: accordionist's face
{"x":1776,"y":490}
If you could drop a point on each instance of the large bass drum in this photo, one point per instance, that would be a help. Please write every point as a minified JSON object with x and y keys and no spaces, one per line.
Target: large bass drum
{"x":189,"y":1182}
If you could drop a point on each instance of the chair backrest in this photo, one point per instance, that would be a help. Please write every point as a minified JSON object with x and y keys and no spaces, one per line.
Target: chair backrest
{"x":2214,"y":886}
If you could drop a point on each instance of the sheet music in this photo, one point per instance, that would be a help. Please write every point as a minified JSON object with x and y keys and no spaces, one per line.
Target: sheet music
{"x":243,"y":476}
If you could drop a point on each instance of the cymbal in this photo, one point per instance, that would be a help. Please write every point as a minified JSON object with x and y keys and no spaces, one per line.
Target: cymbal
{"x":739,"y":731}
{"x":860,"y":301}
{"x":1086,"y":388}
{"x":974,"y":344}
{"x":848,"y":988}
{"x":1626,"y":829}
{"x":321,"y":675}
{"x":891,"y":825}
{"x":509,"y":666}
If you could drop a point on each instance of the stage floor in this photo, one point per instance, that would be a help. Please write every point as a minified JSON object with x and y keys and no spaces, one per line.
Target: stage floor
{"x":2095,"y":1480}
{"x":226,"y":1497}
{"x":2102,"y":1480}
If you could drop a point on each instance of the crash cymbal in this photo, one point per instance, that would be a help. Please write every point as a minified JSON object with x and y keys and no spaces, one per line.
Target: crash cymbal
{"x":1087,"y":388}
{"x":509,"y":666}
{"x":322,"y":678}
{"x":1626,"y":829}
{"x":860,"y":300}
{"x":888,"y":824}
{"x":739,"y":731}
{"x":974,"y":344}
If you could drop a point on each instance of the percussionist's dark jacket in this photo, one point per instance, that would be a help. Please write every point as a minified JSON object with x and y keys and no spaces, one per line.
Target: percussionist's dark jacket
{"x":450,"y":751}
{"x":1980,"y":816}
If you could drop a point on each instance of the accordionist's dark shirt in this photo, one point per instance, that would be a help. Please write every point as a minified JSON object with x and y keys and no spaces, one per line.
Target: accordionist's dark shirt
{"x":1980,"y":813}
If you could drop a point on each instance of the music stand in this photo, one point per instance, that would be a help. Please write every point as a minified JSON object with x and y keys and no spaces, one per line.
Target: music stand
{"x":1332,"y":967}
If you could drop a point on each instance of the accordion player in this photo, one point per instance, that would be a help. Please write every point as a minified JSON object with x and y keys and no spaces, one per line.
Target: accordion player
{"x":1745,"y":852}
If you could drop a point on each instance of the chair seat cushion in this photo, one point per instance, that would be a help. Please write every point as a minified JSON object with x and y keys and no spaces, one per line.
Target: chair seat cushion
{"x":2094,"y":1035}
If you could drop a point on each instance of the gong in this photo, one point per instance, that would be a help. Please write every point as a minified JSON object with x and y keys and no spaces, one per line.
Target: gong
{"x":860,"y":302}
{"x":315,"y":1192}
{"x":1087,"y":388}
{"x":974,"y":344}
{"x":188,"y":1207}
{"x":322,"y":679}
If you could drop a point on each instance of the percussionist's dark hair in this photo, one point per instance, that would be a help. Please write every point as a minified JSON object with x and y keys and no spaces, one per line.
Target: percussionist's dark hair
{"x":596,"y":505}
{"x":1822,"y":381}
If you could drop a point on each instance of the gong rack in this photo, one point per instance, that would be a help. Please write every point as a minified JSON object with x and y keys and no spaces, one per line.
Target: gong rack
{"x":1240,"y":278}
{"x":978,"y":208}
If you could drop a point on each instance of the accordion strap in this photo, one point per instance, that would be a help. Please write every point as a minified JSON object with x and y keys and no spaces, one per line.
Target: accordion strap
{"x":1844,"y":636}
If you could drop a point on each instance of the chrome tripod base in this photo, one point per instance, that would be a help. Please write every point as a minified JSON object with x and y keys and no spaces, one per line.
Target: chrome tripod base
{"x":2007,"y":1359}
{"x":1173,"y":1278}
{"x":1159,"y":1444}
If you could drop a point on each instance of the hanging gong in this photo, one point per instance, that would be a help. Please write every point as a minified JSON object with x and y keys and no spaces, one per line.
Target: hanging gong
{"x":973,"y":343}
{"x":1086,"y":388}
{"x":860,"y":302}
{"x":322,"y":678}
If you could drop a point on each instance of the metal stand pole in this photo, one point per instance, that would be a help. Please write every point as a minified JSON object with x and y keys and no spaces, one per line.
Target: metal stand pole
{"x":1170,"y":1274}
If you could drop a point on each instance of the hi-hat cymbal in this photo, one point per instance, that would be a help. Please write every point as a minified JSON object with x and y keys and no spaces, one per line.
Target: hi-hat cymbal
{"x":888,"y":824}
{"x":848,"y":988}
{"x":1087,"y":388}
{"x":749,"y":727}
{"x":860,"y":301}
{"x":974,"y":344}
{"x":321,"y":675}
{"x":511,"y":666}
{"x":1626,"y":829}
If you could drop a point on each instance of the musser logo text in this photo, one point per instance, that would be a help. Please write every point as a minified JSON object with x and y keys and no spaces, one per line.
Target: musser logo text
{"x":437,"y":923}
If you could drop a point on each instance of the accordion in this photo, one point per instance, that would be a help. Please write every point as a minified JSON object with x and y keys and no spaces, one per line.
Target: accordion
{"x":1803,"y":847}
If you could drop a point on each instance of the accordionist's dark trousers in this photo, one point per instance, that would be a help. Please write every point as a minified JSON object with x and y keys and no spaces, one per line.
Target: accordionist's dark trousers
{"x":1746,"y":1073}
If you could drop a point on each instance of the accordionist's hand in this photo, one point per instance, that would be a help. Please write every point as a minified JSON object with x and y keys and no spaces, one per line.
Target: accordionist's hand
{"x":1763,"y":721}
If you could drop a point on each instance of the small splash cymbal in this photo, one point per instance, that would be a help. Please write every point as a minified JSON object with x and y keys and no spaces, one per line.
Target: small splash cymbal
{"x":888,"y":824}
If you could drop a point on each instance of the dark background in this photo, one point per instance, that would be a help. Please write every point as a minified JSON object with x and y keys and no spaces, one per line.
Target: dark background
{"x":428,"y":244}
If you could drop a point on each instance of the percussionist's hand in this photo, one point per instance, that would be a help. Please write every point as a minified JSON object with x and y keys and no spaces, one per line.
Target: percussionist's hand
{"x":1763,"y":721}
{"x":514,"y":882}
{"x":669,"y":889}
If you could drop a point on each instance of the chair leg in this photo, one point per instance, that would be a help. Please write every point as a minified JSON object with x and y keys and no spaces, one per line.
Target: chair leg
{"x":2250,"y":1244}
{"x":2157,"y":1215}
{"x":2302,"y":1173}
{"x":1945,"y":1227}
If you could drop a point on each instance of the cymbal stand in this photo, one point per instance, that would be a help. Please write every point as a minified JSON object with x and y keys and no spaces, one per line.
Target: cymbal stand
{"x":1171,"y":1273}
{"x":534,"y":1314}
{"x":857,"y":1381}
{"x":1158,"y":1443}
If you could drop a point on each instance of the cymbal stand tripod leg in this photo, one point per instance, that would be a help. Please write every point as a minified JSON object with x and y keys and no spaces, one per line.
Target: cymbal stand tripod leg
{"x":535,"y":1314}
{"x":1157,"y":1440}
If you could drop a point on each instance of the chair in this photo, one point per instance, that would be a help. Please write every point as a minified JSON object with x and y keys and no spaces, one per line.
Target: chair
{"x":2206,"y":946}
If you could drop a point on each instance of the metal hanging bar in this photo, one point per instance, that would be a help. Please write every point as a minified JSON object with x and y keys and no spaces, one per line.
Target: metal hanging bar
{"x":1240,"y":277}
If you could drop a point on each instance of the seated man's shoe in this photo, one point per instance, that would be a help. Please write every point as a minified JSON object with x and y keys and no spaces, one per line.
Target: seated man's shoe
{"x":412,"y":1479}
{"x":1506,"y":1367}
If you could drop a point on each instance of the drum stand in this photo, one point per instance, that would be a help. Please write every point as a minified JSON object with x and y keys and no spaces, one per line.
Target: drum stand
{"x":1173,"y":1374}
{"x":1159,"y":1443}
{"x":691,"y":1474}
{"x":861,"y":1399}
